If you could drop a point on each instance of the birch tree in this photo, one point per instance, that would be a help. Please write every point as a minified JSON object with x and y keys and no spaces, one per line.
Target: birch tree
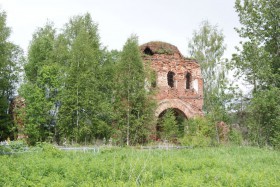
{"x":135,"y":108}
{"x":207,"y":47}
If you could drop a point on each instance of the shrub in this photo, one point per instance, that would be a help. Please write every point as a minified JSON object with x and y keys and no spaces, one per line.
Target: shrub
{"x":49,"y":149}
{"x":169,"y":126}
{"x":13,"y":147}
{"x":196,"y":141}
{"x":235,"y":136}
{"x":5,"y":150}
{"x":18,"y":146}
{"x":199,"y":132}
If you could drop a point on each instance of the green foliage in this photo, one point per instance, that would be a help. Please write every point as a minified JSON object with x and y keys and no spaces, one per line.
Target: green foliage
{"x":5,"y":150}
{"x":207,"y":47}
{"x":69,"y":84}
{"x":135,"y":108}
{"x":40,"y":52}
{"x":86,"y":109}
{"x":41,"y":85}
{"x":258,"y":62}
{"x":10,"y":59}
{"x":235,"y":137}
{"x":49,"y":150}
{"x":18,"y":145}
{"x":259,"y":58}
{"x":199,"y":132}
{"x":13,"y":147}
{"x":223,"y":166}
{"x":36,"y":112}
{"x":168,"y":126}
{"x":73,"y":87}
{"x":153,"y":79}
{"x":264,"y":122}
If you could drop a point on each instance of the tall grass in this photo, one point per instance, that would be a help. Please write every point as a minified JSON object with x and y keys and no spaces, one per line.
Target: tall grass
{"x":223,"y":166}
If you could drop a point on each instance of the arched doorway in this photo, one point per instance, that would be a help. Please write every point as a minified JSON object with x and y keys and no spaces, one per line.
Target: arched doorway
{"x":178,"y":104}
{"x":171,"y":124}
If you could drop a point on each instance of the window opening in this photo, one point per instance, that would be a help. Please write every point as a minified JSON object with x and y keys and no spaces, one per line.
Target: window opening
{"x":170,"y":79}
{"x":148,"y":51}
{"x":188,"y":81}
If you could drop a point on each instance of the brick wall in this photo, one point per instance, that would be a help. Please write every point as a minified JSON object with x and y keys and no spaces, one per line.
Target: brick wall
{"x":164,"y":58}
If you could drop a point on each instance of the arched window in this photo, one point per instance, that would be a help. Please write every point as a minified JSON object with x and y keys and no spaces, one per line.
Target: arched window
{"x":170,"y":79}
{"x":148,"y":51}
{"x":188,"y":80}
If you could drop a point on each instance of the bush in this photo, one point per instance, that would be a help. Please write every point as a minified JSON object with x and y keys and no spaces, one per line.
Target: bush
{"x":13,"y":147}
{"x":18,"y":146}
{"x":169,"y":126}
{"x":49,"y":149}
{"x":235,"y":136}
{"x":5,"y":150}
{"x":196,"y":141}
{"x":199,"y":132}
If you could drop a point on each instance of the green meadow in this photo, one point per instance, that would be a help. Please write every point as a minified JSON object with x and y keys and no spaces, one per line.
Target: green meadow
{"x":215,"y":166}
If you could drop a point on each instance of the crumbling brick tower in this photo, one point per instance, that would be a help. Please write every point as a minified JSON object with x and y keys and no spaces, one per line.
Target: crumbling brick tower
{"x":178,"y":80}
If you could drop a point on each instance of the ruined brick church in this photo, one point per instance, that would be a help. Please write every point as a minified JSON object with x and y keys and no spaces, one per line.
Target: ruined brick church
{"x":178,"y":80}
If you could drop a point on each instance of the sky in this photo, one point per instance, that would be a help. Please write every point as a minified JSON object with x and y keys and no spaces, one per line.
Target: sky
{"x":171,"y":21}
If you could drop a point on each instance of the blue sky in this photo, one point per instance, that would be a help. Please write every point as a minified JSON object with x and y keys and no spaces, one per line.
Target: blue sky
{"x":171,"y":21}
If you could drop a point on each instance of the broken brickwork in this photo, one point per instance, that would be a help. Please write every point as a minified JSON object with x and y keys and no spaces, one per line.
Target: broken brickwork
{"x":178,"y":81}
{"x":17,"y":110}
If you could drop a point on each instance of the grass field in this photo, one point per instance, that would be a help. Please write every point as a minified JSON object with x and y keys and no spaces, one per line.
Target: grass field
{"x":222,"y":166}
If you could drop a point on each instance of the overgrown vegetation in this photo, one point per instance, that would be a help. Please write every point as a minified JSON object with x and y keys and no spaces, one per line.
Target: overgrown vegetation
{"x":199,"y":133}
{"x":224,"y":166}
{"x":11,"y":57}
{"x":76,"y":91}
{"x":257,"y":61}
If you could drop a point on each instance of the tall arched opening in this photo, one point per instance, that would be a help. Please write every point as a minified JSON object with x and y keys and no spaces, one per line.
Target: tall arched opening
{"x":171,"y":124}
{"x":181,"y":110}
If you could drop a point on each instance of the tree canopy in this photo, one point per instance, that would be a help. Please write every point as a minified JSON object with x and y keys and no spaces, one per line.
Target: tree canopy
{"x":258,"y":62}
{"x":11,"y":56}
{"x":75,"y":90}
{"x":207,"y":47}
